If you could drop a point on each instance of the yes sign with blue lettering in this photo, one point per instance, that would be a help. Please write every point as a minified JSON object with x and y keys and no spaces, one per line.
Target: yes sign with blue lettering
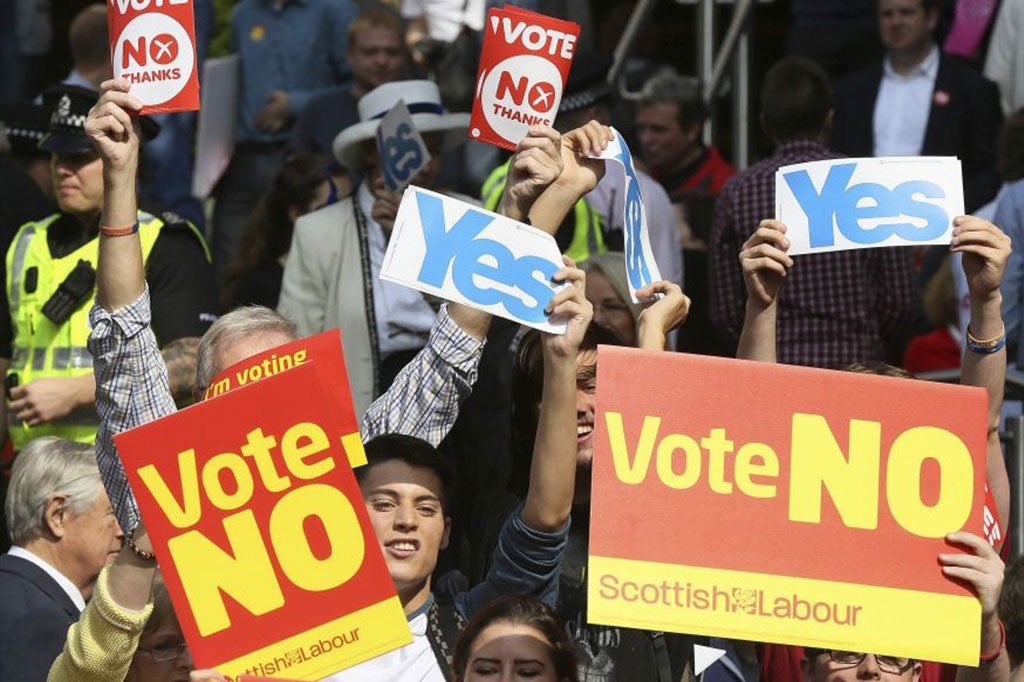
{"x":448,"y":248}
{"x":401,"y":148}
{"x":842,"y":204}
{"x":641,"y":270}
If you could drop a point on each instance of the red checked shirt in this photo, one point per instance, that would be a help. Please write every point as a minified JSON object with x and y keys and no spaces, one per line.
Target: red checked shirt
{"x":836,"y":308}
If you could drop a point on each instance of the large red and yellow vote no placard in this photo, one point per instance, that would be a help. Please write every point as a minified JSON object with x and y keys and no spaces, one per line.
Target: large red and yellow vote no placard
{"x":261,"y":532}
{"x":784,"y":504}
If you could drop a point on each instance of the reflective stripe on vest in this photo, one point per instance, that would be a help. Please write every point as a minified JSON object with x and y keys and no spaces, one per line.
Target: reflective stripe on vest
{"x":18,"y":261}
{"x":42,"y":349}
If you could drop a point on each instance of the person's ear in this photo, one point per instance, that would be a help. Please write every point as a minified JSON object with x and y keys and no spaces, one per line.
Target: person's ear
{"x":915,"y":672}
{"x":693,"y":132}
{"x":447,"y":532}
{"x":55,"y":515}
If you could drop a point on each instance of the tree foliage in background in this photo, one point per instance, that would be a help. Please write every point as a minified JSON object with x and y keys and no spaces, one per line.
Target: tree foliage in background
{"x":220,"y":43}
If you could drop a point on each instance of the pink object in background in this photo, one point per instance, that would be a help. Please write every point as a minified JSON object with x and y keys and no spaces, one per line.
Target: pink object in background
{"x":969,"y":25}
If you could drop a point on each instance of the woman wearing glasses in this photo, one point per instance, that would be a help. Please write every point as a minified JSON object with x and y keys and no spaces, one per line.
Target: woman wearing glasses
{"x":123,"y":634}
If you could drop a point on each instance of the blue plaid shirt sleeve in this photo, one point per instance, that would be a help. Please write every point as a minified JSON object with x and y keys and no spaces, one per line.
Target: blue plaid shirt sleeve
{"x":131,"y":390}
{"x":425,"y":397}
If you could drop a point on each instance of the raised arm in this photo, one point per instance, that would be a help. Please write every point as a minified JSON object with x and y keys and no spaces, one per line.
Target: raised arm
{"x":665,"y":307}
{"x":985,"y":252}
{"x":578,"y":176}
{"x":982,"y":569}
{"x":765,"y":262}
{"x":131,"y":377}
{"x":446,"y":368}
{"x":120,"y":277}
{"x":553,"y":472}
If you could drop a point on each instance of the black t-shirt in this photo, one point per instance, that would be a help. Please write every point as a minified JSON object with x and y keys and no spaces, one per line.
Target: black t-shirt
{"x":608,"y":653}
{"x":182,"y":286}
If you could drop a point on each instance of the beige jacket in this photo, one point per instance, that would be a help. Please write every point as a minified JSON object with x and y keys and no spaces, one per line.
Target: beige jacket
{"x":327,"y":285}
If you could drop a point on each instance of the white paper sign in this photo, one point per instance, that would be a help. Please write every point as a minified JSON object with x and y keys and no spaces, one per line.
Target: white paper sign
{"x":641,"y":269}
{"x":215,"y":133}
{"x":842,"y":204}
{"x":402,"y":151}
{"x":459,"y":252}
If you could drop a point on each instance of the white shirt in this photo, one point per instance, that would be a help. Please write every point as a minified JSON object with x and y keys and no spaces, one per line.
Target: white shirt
{"x":404,"y":318}
{"x":412,"y":663}
{"x":445,"y":18}
{"x":74,"y":594}
{"x":901,"y":110}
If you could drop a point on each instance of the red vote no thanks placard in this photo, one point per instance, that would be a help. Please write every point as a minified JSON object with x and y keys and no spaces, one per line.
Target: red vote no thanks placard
{"x":152,"y":45}
{"x":261,"y":532}
{"x":784,"y":504}
{"x":523,"y":67}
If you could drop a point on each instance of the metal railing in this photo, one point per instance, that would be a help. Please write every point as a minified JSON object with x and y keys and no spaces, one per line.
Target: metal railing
{"x":711,"y":67}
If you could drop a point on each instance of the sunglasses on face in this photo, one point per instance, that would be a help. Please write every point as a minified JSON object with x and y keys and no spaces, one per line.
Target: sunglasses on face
{"x":76,"y":159}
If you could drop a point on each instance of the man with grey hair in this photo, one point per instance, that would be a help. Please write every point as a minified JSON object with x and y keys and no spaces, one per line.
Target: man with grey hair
{"x":669,"y":121}
{"x":63,"y":532}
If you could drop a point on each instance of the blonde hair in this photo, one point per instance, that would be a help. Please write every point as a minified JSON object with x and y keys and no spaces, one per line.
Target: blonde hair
{"x":612,"y":264}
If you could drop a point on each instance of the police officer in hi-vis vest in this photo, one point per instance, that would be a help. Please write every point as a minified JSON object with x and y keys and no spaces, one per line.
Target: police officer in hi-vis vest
{"x":50,"y":271}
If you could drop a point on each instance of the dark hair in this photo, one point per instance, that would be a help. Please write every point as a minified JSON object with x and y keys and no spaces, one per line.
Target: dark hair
{"x":795,"y":99}
{"x":268,"y":233}
{"x":375,"y":17}
{"x":1010,"y":157}
{"x":87,"y":37}
{"x":1011,"y":609}
{"x":520,"y":611}
{"x":528,"y":387}
{"x":415,"y":452}
{"x":881,"y":369}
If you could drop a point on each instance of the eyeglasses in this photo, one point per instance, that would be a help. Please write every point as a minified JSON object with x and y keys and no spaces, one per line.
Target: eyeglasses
{"x":165,"y":652}
{"x":889,"y":664}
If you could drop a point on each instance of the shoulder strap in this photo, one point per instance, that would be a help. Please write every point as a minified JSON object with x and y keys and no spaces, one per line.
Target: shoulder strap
{"x":371,"y":314}
{"x":444,"y":623}
{"x":661,"y":656}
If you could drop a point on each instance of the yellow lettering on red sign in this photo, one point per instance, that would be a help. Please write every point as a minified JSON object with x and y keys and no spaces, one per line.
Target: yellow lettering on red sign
{"x":819,"y":468}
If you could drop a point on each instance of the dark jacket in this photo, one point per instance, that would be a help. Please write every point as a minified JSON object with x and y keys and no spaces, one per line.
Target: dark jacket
{"x":964,"y":121}
{"x":35,"y":614}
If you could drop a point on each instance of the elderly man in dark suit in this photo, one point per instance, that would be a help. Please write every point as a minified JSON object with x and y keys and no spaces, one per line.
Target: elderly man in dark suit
{"x":63,"y":532}
{"x":917,"y":101}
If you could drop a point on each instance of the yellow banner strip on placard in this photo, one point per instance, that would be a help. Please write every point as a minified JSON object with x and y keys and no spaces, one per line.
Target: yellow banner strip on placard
{"x":784,"y":610}
{"x":328,"y":648}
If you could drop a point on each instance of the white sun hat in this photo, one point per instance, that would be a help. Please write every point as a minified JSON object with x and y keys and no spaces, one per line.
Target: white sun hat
{"x":428,"y":115}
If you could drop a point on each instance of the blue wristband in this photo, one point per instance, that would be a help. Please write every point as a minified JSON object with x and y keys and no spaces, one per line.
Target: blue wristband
{"x":986,"y":349}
